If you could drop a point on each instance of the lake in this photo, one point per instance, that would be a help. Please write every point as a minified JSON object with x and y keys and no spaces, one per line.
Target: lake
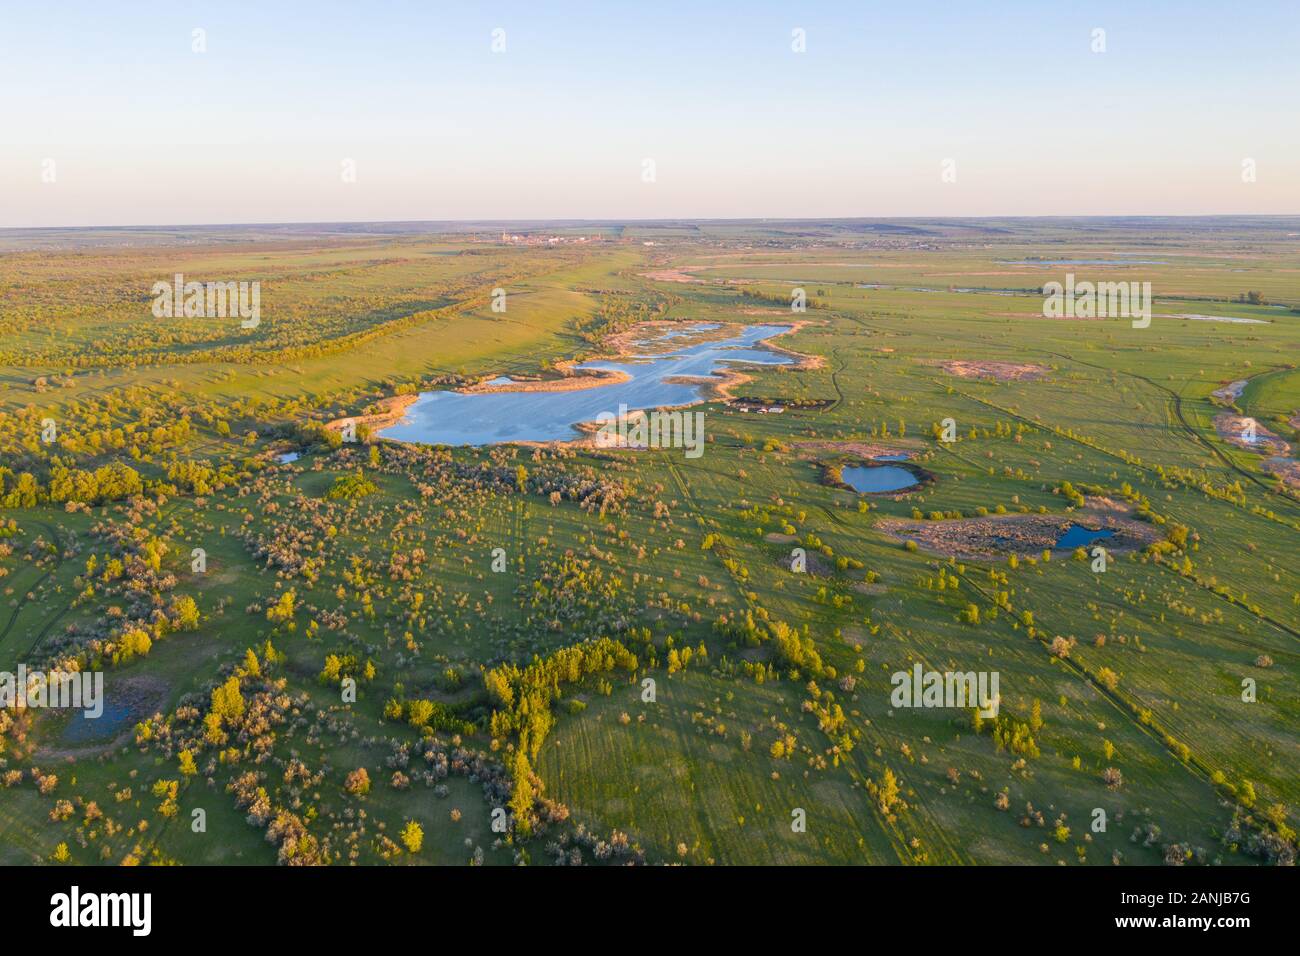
{"x":875,"y":478}
{"x":485,"y":418}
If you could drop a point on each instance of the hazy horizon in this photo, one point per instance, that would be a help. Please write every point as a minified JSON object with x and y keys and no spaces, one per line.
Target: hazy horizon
{"x":575,"y":221}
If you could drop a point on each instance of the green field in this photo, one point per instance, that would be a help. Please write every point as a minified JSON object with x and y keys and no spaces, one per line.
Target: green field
{"x":504,"y":709}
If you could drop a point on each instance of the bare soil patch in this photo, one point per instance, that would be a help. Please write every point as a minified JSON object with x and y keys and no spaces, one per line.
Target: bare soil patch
{"x":670,"y":275}
{"x":1288,"y":469}
{"x":997,"y":536}
{"x":1000,"y":371}
{"x":1229,"y":393}
{"x":858,"y":449}
{"x":1232,"y":428}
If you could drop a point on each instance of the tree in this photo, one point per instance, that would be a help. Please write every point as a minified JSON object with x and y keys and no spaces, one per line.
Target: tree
{"x":357,"y":782}
{"x":419,"y":712}
{"x":227,"y":701}
{"x":134,"y":643}
{"x":1246,"y":794}
{"x":888,"y":791}
{"x":412,"y":836}
{"x":186,"y":612}
{"x":521,"y":799}
{"x":283,"y":609}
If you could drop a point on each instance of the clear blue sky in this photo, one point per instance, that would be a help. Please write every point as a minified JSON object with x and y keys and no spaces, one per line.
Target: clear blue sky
{"x":141,"y":129}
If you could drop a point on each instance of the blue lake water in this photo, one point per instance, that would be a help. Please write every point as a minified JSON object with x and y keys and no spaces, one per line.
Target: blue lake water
{"x":287,"y":457}
{"x":451,"y":418}
{"x":1077,"y":536}
{"x":865,"y":478}
{"x":81,"y":729}
{"x":678,"y":333}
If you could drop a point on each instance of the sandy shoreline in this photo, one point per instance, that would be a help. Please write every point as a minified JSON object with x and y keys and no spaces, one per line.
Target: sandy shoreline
{"x":392,"y":410}
{"x":574,"y":380}
{"x":728,"y":379}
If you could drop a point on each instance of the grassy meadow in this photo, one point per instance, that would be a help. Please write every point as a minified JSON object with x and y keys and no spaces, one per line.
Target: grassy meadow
{"x":413,"y":654}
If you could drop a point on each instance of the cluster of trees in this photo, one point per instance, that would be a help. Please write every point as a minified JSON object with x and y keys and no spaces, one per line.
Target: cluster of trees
{"x":430,"y":715}
{"x":623,"y":310}
{"x":755,"y":628}
{"x":351,"y":486}
{"x":523,"y":697}
{"x":112,"y":482}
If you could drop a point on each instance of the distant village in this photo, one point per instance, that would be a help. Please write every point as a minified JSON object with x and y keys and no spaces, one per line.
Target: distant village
{"x":516,"y":239}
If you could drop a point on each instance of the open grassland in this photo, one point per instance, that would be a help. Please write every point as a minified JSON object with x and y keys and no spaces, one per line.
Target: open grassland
{"x":563,"y":654}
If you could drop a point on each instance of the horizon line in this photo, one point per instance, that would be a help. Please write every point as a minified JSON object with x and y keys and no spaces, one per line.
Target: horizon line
{"x":667,"y":219}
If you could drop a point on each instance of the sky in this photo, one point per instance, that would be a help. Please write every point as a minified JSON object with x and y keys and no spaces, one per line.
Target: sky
{"x":111,"y":114}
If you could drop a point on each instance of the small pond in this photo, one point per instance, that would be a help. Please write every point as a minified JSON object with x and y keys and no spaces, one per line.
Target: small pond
{"x":81,"y":729}
{"x":1077,"y":536}
{"x":876,"y":478}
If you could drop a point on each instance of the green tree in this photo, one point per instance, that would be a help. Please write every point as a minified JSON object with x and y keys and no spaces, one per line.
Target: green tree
{"x":412,"y":836}
{"x":521,"y":798}
{"x":227,"y":701}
